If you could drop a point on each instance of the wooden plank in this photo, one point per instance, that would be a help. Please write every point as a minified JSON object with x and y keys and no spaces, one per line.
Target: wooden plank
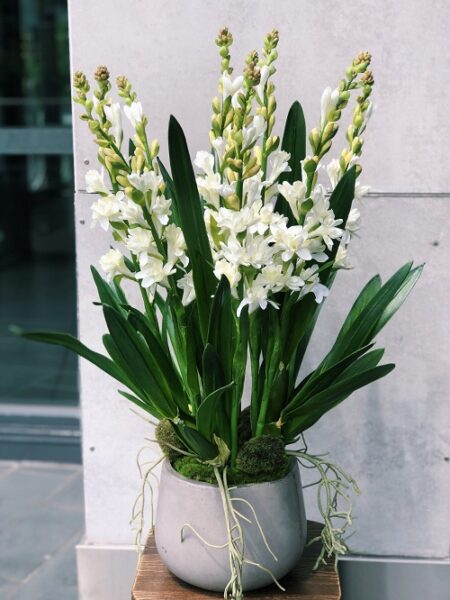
{"x":154,"y":582}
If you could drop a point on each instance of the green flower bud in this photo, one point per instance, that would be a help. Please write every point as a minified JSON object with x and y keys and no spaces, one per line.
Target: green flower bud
{"x":357,"y":145}
{"x":314,"y":139}
{"x":224,"y":37}
{"x":101,"y":73}
{"x":80,"y":81}
{"x":216,"y":105}
{"x":154,"y":149}
{"x":367,"y":78}
{"x":329,"y":131}
{"x":310,"y":164}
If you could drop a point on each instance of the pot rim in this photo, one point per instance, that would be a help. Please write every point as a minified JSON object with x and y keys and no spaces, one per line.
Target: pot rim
{"x":173,"y":473}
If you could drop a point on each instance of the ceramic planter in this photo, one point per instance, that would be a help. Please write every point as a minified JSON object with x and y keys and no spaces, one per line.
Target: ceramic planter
{"x":280,"y":509}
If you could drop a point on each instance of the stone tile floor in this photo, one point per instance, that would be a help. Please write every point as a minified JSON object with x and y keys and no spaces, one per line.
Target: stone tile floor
{"x":41,"y":520}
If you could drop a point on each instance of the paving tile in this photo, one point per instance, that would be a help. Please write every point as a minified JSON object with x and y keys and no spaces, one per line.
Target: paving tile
{"x":28,"y":543}
{"x":56,"y":579}
{"x":22,"y":490}
{"x":7,"y":589}
{"x":70,"y":497}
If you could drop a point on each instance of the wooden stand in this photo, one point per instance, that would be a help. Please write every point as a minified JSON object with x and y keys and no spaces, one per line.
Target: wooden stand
{"x":154,"y":582}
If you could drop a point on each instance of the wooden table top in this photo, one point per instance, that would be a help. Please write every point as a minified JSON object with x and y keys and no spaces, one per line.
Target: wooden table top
{"x":154,"y":582}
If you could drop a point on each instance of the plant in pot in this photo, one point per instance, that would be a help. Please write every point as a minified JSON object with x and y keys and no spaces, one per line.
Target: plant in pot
{"x":233,"y":264}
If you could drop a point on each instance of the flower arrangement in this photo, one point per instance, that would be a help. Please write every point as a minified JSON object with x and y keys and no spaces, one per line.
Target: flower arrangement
{"x":233,"y":264}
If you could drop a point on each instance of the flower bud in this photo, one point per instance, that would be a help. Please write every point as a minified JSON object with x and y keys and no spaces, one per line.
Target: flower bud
{"x":154,"y":149}
{"x":216,"y":105}
{"x":314,"y":139}
{"x":101,"y":73}
{"x":121,"y":180}
{"x":235,"y":164}
{"x":93,"y":125}
{"x":80,"y":81}
{"x":329,"y":131}
{"x":357,"y":145}
{"x":224,"y":37}
{"x":232,"y":201}
{"x":310,"y":164}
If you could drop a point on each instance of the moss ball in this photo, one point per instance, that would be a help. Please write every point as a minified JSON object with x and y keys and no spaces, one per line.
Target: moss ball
{"x":264,"y":454}
{"x":244,"y":426}
{"x":167,"y":437}
{"x":192,"y":469}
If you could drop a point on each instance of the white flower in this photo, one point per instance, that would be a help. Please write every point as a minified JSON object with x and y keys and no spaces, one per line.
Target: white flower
{"x":154,"y":271}
{"x":231,"y":87}
{"x":252,"y":189}
{"x":219,"y":145}
{"x":113,"y":263}
{"x":361,"y":190}
{"x":265,"y":72}
{"x":294,"y":194}
{"x":341,"y":259}
{"x":140,"y":241}
{"x":334,"y":172}
{"x":186,"y":283}
{"x":114,"y":115}
{"x":149,"y":181}
{"x":252,"y":133}
{"x":231,"y":272}
{"x":320,"y":292}
{"x":256,"y":296}
{"x":328,"y":103}
{"x":133,"y":113}
{"x":291,"y":241}
{"x":95,"y":183}
{"x":160,"y":207}
{"x":277,"y":163}
{"x":131,"y":212}
{"x":106,"y":209}
{"x":176,"y":246}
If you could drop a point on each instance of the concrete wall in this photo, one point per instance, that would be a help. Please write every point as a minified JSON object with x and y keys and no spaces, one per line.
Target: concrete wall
{"x":394,"y":436}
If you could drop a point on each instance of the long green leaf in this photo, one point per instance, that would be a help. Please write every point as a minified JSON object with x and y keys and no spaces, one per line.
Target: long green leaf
{"x":139,"y":361}
{"x":294,"y":142}
{"x":300,"y":419}
{"x":190,"y":211}
{"x":71,"y":343}
{"x":399,"y":298}
{"x":210,"y":415}
{"x":221,"y":325}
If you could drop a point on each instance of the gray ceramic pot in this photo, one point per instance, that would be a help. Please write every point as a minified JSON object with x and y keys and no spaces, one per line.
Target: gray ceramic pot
{"x":280,"y":509}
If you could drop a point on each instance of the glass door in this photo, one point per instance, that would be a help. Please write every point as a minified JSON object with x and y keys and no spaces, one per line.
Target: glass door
{"x":37,"y":259}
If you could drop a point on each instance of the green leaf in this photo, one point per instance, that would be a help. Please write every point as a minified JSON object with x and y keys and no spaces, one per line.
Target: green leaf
{"x":221,"y":325}
{"x":300,"y":419}
{"x":161,"y":361}
{"x":139,"y":362}
{"x":71,"y":343}
{"x":320,"y":380}
{"x":213,"y":375}
{"x":210,"y":418}
{"x":294,"y":142}
{"x":399,"y":298}
{"x":143,"y":405}
{"x":195,"y":441}
{"x":368,"y":292}
{"x":190,"y":211}
{"x":170,"y":191}
{"x":108,"y":295}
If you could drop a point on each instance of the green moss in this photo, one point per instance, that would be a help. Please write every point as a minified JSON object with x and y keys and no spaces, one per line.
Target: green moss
{"x":264,"y":454}
{"x":168,"y":439}
{"x":192,"y":469}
